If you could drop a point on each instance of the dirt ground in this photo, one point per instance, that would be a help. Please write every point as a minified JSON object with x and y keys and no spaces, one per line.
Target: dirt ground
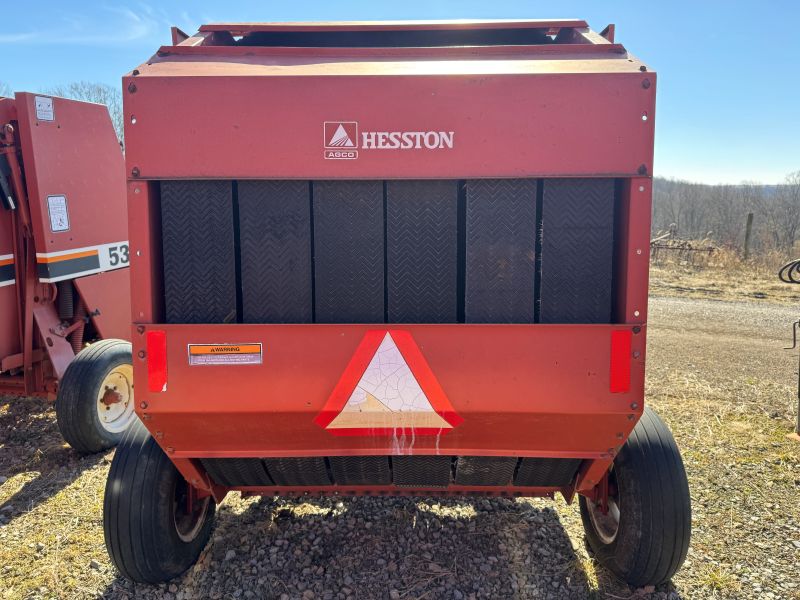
{"x":717,"y":374}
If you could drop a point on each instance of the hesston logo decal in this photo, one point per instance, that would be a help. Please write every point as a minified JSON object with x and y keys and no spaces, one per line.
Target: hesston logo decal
{"x":388,"y":389}
{"x":341,"y":140}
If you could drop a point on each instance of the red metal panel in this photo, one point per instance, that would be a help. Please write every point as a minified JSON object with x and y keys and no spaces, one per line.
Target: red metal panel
{"x":545,"y":387}
{"x":108,"y":299}
{"x":561,"y":124}
{"x":77,"y":155}
{"x":633,"y":269}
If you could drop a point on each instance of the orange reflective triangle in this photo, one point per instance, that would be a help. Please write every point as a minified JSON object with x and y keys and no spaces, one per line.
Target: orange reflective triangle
{"x":388,"y":389}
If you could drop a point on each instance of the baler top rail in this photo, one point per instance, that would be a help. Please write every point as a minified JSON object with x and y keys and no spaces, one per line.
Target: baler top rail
{"x":563,"y":36}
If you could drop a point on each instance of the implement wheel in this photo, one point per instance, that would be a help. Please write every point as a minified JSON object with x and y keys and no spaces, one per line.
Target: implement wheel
{"x":95,"y":403}
{"x":155,"y":527}
{"x":644,"y":535}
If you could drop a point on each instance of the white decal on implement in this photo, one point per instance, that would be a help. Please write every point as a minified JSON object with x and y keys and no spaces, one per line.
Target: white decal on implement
{"x":44,"y":108}
{"x":225,"y":354}
{"x":59,"y":215}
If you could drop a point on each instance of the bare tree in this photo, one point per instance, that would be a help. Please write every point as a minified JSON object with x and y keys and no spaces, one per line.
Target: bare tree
{"x":95,"y":92}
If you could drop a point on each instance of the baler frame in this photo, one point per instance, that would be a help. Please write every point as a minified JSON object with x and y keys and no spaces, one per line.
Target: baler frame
{"x":578,"y":385}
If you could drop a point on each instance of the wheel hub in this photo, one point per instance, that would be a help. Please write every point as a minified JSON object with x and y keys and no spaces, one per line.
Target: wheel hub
{"x":188,"y":511}
{"x":606,"y":522}
{"x":115,"y":405}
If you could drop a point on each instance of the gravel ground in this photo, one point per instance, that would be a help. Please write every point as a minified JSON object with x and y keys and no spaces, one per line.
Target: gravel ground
{"x":717,"y":374}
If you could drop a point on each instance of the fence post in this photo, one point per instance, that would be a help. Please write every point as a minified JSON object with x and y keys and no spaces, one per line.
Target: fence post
{"x":747,"y":234}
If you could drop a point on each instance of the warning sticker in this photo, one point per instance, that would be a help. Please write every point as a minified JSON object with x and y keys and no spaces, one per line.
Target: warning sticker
{"x":225,"y":354}
{"x":44,"y":108}
{"x":59,"y":215}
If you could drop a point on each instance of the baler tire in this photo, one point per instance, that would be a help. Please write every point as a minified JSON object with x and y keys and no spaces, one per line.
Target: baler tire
{"x":77,"y":399}
{"x":654,"y":508}
{"x":140,"y":518}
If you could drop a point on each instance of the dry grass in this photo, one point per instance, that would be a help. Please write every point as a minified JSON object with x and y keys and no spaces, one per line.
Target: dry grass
{"x":723,"y":275}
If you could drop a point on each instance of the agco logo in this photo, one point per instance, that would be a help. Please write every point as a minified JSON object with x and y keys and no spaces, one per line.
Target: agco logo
{"x":341,"y":140}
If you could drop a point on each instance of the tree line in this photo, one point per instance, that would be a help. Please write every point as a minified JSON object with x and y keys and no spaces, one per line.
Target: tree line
{"x":719,"y":213}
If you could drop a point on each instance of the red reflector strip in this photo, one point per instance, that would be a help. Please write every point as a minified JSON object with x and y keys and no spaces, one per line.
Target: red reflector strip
{"x":620,"y":379}
{"x":157,"y":361}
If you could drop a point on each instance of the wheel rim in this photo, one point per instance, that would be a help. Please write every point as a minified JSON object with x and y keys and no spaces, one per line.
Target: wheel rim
{"x":188,"y":513}
{"x":607,"y":525}
{"x":115,"y":405}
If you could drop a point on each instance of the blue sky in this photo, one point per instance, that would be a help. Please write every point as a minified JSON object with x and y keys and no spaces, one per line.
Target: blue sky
{"x":729,"y":72}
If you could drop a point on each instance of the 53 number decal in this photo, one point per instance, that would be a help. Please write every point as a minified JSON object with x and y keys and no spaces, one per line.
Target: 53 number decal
{"x":118,"y":255}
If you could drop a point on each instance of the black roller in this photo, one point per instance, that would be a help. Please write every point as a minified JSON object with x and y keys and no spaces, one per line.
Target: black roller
{"x":577,"y":250}
{"x":275,"y":251}
{"x":422,"y":471}
{"x":422,"y":251}
{"x":348,"y":251}
{"x":361,"y":470}
{"x":485,"y":470}
{"x":500,"y":250}
{"x":198,"y":246}
{"x":298,"y":471}
{"x":546,"y":472}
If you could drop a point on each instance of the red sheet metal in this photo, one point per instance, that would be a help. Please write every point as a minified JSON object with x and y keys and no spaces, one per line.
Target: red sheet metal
{"x":75,"y":154}
{"x":545,"y":387}
{"x":574,"y":116}
{"x":108,"y":300}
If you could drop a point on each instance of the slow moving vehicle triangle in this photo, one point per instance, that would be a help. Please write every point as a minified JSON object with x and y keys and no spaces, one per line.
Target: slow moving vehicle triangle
{"x":388,"y":388}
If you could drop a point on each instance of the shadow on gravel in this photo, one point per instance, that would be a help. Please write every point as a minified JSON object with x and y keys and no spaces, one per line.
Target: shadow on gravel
{"x":33,"y":447}
{"x":364,"y":548}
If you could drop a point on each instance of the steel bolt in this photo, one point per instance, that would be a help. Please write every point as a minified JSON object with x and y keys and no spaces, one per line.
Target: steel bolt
{"x":643,"y":68}
{"x":630,"y":417}
{"x":634,"y":406}
{"x":132,"y":88}
{"x":646,"y":83}
{"x":141,"y":354}
{"x":140,"y":329}
{"x":143,"y":405}
{"x":136,"y":72}
{"x":619,"y":435}
{"x":638,"y":251}
{"x":135,"y":171}
{"x":636,"y":354}
{"x":642,"y":169}
{"x":636,"y":329}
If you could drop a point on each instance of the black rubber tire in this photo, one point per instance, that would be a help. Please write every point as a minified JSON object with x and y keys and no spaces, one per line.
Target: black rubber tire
{"x":138,"y":512}
{"x":655,"y":508}
{"x":76,"y":410}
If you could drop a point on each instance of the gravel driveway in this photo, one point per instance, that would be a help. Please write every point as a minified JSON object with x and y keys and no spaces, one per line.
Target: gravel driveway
{"x":717,"y":374}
